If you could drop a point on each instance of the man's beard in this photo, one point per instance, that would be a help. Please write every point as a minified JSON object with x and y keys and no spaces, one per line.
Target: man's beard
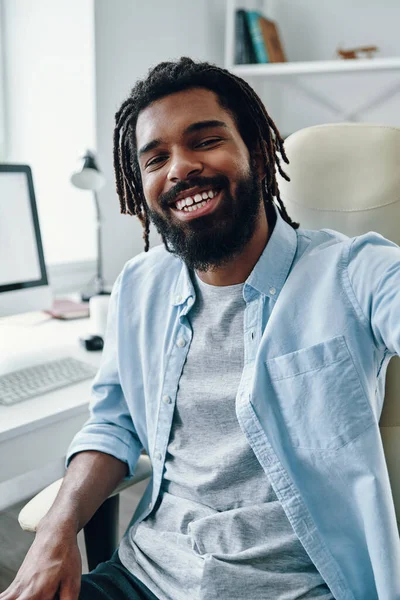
{"x":211,"y":241}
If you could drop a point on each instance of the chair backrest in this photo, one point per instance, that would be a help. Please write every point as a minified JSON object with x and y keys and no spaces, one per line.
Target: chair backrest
{"x":346,"y":177}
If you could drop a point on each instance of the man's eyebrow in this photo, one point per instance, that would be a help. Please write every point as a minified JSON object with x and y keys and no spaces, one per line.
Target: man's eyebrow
{"x":150,"y":146}
{"x":198,"y":126}
{"x":205,"y":125}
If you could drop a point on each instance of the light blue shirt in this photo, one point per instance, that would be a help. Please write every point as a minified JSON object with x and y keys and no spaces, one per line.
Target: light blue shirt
{"x":322,"y":320}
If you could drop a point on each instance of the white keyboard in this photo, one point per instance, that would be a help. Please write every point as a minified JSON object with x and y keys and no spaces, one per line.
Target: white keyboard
{"x":41,"y":378}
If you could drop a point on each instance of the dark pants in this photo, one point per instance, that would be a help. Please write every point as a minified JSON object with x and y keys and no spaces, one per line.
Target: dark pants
{"x":110,"y":581}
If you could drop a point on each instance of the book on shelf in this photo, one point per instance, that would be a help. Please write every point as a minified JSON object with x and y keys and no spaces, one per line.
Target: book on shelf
{"x":260,"y":50}
{"x":257,"y":39}
{"x":244,"y":51}
{"x":272,"y":40}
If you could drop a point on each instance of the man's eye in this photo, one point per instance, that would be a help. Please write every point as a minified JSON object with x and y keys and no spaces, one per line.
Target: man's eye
{"x":208,"y":142}
{"x":155,"y":160}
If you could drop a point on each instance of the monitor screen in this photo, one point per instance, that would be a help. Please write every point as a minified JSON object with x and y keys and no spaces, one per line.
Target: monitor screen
{"x":22,"y":266}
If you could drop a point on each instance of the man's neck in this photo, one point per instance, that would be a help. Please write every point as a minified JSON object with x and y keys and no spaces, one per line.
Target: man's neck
{"x":238,"y":270}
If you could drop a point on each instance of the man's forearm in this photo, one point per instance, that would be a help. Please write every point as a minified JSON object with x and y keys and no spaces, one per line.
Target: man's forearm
{"x":90,"y":478}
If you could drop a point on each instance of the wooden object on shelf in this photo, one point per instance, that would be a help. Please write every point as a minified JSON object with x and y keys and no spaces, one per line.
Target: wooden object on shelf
{"x":272,"y":40}
{"x":352,"y":53}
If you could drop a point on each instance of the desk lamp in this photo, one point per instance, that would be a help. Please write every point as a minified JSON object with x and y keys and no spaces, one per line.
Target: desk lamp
{"x":89,"y":177}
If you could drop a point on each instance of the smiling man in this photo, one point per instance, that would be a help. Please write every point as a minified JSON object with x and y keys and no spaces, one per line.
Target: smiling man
{"x":222,"y":361}
{"x":202,"y":190}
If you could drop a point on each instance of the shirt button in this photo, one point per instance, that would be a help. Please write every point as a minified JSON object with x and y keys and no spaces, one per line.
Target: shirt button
{"x":272,"y":291}
{"x":178,"y":298}
{"x":166,"y":399}
{"x":181,"y":342}
{"x":158,"y":455}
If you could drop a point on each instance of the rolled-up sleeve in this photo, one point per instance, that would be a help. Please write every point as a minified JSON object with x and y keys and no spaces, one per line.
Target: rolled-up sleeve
{"x":110,"y":428}
{"x":374,"y":273}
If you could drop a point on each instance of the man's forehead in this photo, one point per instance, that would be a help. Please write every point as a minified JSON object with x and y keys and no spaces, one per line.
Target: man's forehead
{"x":178,"y":111}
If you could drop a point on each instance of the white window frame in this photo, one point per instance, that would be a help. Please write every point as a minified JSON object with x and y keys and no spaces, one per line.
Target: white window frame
{"x":2,"y":92}
{"x":64,"y":277}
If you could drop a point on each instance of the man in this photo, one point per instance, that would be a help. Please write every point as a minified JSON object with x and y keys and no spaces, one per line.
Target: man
{"x":258,"y":409}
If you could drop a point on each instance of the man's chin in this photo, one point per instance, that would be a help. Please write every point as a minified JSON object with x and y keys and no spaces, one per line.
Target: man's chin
{"x":212,"y":240}
{"x":208,"y":248}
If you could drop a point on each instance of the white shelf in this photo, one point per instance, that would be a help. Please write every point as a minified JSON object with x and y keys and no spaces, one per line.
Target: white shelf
{"x":316,"y":67}
{"x":295,"y":75}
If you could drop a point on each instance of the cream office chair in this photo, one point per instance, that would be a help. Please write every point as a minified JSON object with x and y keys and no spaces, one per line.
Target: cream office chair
{"x":346,"y":177}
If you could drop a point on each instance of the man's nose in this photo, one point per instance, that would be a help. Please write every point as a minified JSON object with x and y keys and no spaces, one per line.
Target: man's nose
{"x":183,"y":165}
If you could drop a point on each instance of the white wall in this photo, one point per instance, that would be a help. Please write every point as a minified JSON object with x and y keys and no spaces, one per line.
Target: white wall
{"x":313,"y":30}
{"x":55,"y":75}
{"x":50,"y":113}
{"x":131,"y":36}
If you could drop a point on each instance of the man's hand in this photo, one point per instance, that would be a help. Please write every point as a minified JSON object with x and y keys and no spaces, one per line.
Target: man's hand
{"x":52,"y":567}
{"x":51,"y":570}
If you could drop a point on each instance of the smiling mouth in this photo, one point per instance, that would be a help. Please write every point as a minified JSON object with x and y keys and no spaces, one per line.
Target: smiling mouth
{"x":195,"y":202}
{"x":203,"y":206}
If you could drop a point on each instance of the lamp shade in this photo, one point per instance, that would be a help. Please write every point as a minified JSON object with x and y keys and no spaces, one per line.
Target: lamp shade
{"x":88,"y":176}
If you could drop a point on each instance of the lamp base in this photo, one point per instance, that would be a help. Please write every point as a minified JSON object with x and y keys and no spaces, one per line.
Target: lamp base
{"x":85,"y":297}
{"x":95,"y":288}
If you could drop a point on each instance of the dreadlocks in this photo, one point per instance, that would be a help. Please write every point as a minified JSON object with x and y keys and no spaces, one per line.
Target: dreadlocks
{"x":254,"y":124}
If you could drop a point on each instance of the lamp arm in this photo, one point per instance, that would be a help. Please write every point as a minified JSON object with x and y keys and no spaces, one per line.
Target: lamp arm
{"x":99,"y":272}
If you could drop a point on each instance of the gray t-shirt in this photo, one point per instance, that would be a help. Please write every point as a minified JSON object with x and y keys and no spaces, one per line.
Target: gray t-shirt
{"x":218,"y":530}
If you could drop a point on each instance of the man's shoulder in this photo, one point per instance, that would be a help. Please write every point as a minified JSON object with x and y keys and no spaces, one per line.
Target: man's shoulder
{"x":344,"y":249}
{"x":315,"y":241}
{"x":157,"y":256}
{"x":322,"y":237}
{"x":156,"y":264}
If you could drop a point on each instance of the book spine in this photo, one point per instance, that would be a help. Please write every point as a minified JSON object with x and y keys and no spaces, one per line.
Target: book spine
{"x":244,"y":51}
{"x":240,"y":34}
{"x":253,"y":21}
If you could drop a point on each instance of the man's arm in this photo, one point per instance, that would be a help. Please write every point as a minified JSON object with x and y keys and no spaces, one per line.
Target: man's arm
{"x":104,"y":452}
{"x":53,"y":563}
{"x":374,"y":274}
{"x":89,"y":480}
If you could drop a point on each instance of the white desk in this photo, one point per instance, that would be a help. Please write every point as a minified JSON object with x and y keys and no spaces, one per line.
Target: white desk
{"x":35,"y":434}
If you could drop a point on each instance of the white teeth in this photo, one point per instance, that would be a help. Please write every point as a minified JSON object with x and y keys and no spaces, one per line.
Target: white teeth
{"x":185,"y":203}
{"x":195,"y":207}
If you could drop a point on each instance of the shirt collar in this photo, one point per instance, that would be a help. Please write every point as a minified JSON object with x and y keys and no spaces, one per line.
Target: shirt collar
{"x":272,"y":268}
{"x":269,"y":273}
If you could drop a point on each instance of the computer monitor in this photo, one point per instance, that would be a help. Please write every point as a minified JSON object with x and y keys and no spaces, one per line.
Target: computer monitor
{"x":23,"y":279}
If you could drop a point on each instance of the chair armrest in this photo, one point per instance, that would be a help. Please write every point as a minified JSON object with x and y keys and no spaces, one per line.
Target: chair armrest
{"x":32,"y":513}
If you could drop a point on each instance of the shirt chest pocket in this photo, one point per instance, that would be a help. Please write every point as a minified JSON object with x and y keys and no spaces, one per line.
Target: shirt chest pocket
{"x":320,"y":400}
